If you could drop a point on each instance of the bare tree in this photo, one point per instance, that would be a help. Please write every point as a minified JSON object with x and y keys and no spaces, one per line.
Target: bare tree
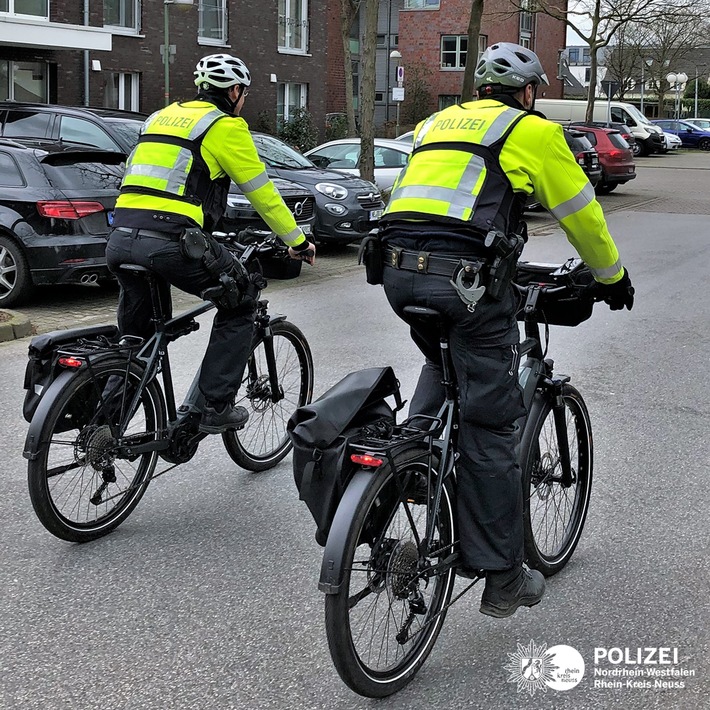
{"x":366,"y":164}
{"x":348,"y":12}
{"x":474,"y":31}
{"x":597,"y":22}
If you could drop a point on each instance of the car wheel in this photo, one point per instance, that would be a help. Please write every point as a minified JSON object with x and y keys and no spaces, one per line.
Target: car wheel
{"x":15,"y":281}
{"x":704,"y":144}
{"x":636,"y":149}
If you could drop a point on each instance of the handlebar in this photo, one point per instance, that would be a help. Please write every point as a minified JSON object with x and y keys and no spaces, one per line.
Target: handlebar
{"x":249,"y":243}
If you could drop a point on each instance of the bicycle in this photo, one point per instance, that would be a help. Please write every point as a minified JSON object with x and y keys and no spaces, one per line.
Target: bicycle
{"x":102,"y":425}
{"x":391,"y":556}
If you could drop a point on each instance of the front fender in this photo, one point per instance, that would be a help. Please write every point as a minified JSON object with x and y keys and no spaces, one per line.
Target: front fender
{"x":331,"y":573}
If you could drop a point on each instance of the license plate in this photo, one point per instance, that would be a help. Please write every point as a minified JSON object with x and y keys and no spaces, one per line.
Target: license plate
{"x":109,"y":217}
{"x":375,"y":214}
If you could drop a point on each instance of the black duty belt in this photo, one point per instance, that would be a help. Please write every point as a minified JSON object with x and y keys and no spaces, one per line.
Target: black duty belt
{"x":149,"y":233}
{"x":423,"y":262}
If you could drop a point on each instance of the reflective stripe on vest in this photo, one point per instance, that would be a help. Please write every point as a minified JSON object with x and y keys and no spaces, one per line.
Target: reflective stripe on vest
{"x":456,"y":202}
{"x":607,"y":273}
{"x":574,"y":204}
{"x":162,"y":165}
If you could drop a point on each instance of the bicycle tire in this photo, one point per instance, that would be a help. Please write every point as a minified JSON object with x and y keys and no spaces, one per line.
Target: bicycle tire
{"x":264,"y":441}
{"x":373,"y":533}
{"x":547,"y":503}
{"x":74,"y":455}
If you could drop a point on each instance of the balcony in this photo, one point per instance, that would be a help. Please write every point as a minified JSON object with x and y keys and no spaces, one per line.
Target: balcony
{"x":24,"y":31}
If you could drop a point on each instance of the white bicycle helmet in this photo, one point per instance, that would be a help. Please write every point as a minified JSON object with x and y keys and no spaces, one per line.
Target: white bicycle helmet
{"x":508,"y":64}
{"x":221,"y":71}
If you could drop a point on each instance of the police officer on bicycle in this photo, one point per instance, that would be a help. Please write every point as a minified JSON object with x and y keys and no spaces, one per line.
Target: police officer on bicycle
{"x":173,"y":194}
{"x":450,"y":235}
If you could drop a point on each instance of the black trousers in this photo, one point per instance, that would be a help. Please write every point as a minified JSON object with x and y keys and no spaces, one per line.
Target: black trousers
{"x":484,"y":350}
{"x":230,"y":340}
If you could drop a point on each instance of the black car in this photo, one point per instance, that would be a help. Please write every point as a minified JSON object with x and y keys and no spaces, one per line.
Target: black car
{"x":54,"y":216}
{"x":102,"y":128}
{"x":346,"y":206}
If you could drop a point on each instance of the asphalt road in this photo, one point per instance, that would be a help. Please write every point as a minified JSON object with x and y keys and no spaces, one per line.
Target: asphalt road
{"x":206,"y":596}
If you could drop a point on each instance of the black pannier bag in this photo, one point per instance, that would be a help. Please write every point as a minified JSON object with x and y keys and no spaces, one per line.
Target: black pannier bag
{"x":570,"y":307}
{"x":42,"y":365}
{"x":322,"y":430}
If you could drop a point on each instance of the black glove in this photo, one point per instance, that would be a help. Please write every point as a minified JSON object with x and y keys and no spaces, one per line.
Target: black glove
{"x":617,"y":295}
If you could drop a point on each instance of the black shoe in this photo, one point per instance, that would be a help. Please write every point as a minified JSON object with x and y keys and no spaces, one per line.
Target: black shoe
{"x":217,"y":421}
{"x":507,"y":590}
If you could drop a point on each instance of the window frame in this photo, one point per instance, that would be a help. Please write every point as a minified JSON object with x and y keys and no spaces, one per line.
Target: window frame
{"x":285,"y":19}
{"x":223,"y":12}
{"x":133,"y":29}
{"x":11,"y":11}
{"x":11,"y":65}
{"x":410,"y":5}
{"x":289,"y":86}
{"x":459,"y":66}
{"x":135,"y":90}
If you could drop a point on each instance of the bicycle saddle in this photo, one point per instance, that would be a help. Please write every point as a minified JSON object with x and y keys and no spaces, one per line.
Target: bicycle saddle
{"x":135,"y":268}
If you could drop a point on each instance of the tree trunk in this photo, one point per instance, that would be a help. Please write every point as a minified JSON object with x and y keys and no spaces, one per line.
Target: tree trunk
{"x":474,"y":30}
{"x":346,"y":21}
{"x":366,"y":163}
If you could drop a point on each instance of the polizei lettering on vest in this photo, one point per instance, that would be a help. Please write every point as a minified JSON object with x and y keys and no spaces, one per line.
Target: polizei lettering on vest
{"x":460,"y":124}
{"x":175,"y":121}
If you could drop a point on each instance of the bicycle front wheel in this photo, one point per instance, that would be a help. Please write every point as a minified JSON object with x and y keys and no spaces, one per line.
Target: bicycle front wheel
{"x":264,"y":441}
{"x":555,"y":508}
{"x":80,"y":484}
{"x":383,"y":622}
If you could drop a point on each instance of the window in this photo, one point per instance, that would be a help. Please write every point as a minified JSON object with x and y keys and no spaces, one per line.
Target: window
{"x":573,"y":53}
{"x":526,"y":41}
{"x":388,"y":158}
{"x":23,"y":81}
{"x":290,"y":97}
{"x":10,"y":175}
{"x":121,"y":91}
{"x":587,"y":75}
{"x":381,"y":40}
{"x":34,"y":8}
{"x":446,"y":100}
{"x":83,"y":132}
{"x":122,"y":13}
{"x":212,"y":19}
{"x":293,"y":25}
{"x":421,"y":4}
{"x":453,"y":51}
{"x":482,"y":44}
{"x":379,"y":96}
{"x":26,"y":124}
{"x":343,"y":155}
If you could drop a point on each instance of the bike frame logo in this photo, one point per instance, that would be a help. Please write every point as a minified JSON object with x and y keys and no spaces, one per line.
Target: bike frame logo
{"x":535,"y":667}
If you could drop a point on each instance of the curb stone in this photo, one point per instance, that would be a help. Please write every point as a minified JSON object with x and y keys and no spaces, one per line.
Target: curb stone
{"x":16,"y":326}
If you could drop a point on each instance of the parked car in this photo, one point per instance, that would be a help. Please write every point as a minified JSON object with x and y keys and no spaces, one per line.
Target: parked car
{"x":623,"y":129}
{"x":671,"y":142}
{"x":346,"y":207}
{"x":615,"y":156}
{"x":703,"y":123}
{"x":102,"y":128}
{"x":240,"y":214}
{"x":54,"y":216}
{"x":407,"y":137}
{"x":342,"y":155}
{"x":689,"y":134}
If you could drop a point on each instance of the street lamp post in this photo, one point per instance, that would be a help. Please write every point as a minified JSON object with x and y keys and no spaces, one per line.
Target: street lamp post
{"x":646,"y":63}
{"x":166,"y":46}
{"x":677,"y":81}
{"x":396,"y":54}
{"x":695,"y":110}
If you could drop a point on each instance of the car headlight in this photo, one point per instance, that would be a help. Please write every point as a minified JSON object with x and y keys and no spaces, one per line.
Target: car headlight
{"x":234,"y":200}
{"x":335,"y":209}
{"x":335,"y":192}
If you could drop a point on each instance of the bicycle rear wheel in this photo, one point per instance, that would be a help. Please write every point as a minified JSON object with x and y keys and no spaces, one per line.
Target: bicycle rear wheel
{"x":384,"y":620}
{"x":554,"y":511}
{"x":264,"y":441}
{"x":80,"y":486}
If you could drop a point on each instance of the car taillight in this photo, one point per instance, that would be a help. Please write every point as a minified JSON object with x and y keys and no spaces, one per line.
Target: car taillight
{"x":615,"y":154}
{"x":68,"y":209}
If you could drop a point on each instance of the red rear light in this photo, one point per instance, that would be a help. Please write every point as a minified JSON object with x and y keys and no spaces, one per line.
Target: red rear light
{"x":70,"y":362}
{"x":365,"y":460}
{"x":68,"y":209}
{"x":615,"y":154}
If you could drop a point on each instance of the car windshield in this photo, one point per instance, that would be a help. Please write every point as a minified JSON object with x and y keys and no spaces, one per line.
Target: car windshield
{"x":637,"y":115}
{"x":127,"y":131}
{"x":277,"y":154}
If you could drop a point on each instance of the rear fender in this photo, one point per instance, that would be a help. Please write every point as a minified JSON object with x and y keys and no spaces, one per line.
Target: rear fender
{"x":331,"y":573}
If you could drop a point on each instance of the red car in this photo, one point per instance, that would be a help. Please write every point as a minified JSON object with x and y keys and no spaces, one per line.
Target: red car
{"x":615,"y":156}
